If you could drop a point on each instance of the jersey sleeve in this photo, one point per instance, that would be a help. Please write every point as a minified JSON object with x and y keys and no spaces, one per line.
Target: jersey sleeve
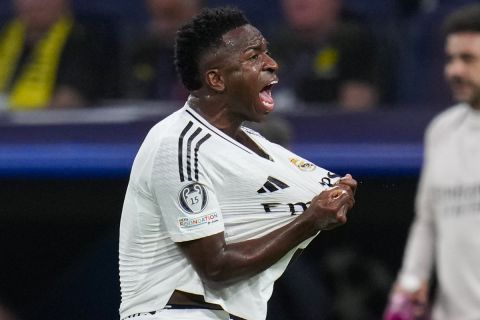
{"x":185,"y":194}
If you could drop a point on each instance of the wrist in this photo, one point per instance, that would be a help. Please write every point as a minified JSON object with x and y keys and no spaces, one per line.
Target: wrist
{"x":306,"y":225}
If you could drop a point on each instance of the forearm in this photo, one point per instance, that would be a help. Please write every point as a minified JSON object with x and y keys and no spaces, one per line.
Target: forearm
{"x":241,"y":260}
{"x":221,"y":263}
{"x":419,"y":250}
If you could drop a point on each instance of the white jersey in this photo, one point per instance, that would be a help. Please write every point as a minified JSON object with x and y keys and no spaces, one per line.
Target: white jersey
{"x":189,"y":180}
{"x":447,"y":222}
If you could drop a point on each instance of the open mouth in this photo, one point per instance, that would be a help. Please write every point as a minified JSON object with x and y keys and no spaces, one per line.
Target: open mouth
{"x":266,"y":97}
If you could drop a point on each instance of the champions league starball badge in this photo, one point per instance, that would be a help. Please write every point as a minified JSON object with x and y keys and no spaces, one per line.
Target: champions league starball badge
{"x":193,"y":198}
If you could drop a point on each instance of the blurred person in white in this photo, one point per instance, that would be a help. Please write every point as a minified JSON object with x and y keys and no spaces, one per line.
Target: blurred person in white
{"x":445,"y":230}
{"x":46,"y":58}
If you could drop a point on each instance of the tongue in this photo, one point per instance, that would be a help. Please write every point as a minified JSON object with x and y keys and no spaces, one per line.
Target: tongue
{"x":266,"y":100}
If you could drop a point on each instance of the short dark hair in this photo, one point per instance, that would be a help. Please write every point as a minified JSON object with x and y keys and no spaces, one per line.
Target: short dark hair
{"x":202,"y":33}
{"x":465,"y":19}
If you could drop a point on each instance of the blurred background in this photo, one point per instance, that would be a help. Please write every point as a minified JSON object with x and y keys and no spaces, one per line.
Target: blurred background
{"x":360,"y":80}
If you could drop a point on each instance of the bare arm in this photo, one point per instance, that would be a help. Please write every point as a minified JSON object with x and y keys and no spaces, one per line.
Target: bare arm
{"x":220,"y":263}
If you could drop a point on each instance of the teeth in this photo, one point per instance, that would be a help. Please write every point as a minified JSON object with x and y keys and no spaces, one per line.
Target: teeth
{"x":268,"y":104}
{"x":269,"y":86}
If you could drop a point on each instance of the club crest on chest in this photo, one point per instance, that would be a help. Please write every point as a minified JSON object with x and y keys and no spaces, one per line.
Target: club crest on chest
{"x":302,"y":164}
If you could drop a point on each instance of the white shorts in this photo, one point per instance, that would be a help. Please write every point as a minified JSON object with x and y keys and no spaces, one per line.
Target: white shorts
{"x":183,"y":314}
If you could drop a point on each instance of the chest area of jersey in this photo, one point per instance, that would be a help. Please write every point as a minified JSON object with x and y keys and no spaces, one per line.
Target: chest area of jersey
{"x":286,"y":184}
{"x":456,"y":159}
{"x":454,"y":173}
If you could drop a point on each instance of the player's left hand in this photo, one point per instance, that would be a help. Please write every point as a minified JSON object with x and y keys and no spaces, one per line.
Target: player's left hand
{"x":345,"y":183}
{"x":348,"y":181}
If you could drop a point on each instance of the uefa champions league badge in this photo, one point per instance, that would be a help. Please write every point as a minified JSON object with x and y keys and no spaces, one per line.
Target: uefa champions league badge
{"x":302,"y":164}
{"x":193,"y":198}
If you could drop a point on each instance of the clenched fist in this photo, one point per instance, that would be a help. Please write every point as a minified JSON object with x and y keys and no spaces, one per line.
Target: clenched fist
{"x":328,"y":210}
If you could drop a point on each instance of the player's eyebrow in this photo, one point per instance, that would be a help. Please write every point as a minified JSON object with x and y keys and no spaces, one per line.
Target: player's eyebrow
{"x":258,"y":45}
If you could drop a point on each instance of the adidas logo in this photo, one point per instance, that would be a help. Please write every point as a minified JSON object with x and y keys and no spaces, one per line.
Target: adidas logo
{"x":272,"y":185}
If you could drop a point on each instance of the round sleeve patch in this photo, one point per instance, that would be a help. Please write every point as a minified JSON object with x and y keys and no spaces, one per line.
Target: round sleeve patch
{"x":193,"y":198}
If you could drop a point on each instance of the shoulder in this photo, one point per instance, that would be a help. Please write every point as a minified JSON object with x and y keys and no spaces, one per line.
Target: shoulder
{"x":183,"y":131}
{"x":447,"y":121}
{"x":171,"y":127}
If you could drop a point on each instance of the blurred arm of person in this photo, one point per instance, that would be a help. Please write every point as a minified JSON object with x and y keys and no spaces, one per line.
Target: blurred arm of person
{"x":413,"y":281}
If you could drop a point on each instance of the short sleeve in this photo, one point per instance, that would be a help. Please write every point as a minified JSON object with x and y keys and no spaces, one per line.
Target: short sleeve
{"x":188,"y":204}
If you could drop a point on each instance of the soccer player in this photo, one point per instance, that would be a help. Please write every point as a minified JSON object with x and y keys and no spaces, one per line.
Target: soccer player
{"x":214,"y":212}
{"x":447,"y":221}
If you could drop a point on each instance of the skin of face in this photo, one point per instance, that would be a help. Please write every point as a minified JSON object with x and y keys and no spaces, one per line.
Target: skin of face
{"x":462,"y":68}
{"x":40,"y":15}
{"x":246,"y":68}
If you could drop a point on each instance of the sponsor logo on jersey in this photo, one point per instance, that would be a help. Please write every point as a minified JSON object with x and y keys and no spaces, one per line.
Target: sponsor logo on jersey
{"x":302,"y":164}
{"x":193,"y":198}
{"x":272,"y":185}
{"x":191,"y":222}
{"x":294,"y":208}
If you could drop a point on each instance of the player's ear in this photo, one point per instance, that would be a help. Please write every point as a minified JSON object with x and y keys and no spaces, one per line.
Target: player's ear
{"x":214,"y":79}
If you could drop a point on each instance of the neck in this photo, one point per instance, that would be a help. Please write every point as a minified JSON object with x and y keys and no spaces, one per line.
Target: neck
{"x":216,"y":112}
